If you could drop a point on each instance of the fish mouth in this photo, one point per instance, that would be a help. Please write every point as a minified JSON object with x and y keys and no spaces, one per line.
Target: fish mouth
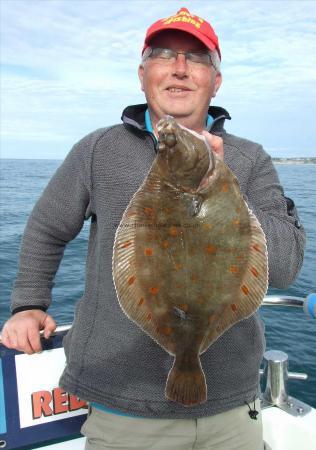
{"x":167,"y":122}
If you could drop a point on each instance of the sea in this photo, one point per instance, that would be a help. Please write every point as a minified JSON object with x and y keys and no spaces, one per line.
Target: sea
{"x":286,"y":329}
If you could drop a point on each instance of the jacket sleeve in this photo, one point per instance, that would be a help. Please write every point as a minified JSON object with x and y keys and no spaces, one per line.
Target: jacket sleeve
{"x":279,"y":220}
{"x":56,"y":219}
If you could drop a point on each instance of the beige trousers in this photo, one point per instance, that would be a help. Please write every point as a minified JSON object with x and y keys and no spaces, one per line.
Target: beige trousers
{"x":231,"y":430}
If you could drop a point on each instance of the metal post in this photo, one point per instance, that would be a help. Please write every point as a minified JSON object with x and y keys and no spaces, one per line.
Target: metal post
{"x":276,"y":374}
{"x":276,"y":368}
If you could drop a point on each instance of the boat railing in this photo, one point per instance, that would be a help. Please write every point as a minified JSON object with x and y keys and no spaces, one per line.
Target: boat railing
{"x":308,"y":304}
{"x":276,"y":362}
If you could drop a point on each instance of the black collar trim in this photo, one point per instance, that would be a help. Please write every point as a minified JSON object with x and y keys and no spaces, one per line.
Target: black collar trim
{"x":134,"y":116}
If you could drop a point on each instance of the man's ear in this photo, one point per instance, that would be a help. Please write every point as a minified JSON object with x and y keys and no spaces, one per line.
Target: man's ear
{"x":218,"y":82}
{"x":141,"y":76}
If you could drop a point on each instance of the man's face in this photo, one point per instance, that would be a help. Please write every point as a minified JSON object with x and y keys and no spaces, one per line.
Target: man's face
{"x":179,"y":88}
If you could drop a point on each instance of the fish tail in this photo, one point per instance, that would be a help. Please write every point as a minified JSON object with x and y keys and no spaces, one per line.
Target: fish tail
{"x":186,"y":386}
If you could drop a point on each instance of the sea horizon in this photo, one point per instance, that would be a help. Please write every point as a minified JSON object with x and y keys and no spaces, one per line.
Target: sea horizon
{"x":275,"y":159}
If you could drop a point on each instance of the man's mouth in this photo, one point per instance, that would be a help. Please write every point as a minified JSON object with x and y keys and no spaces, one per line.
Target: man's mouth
{"x":177,"y":90}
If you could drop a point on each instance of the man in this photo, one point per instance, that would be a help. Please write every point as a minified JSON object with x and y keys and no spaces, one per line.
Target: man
{"x":110,"y":362}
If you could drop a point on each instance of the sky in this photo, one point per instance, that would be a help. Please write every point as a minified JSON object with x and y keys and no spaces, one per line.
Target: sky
{"x":69,"y":67}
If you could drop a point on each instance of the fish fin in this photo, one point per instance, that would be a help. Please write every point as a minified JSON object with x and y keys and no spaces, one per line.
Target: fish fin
{"x":187,"y":387}
{"x":253,"y":287}
{"x":131,"y":295}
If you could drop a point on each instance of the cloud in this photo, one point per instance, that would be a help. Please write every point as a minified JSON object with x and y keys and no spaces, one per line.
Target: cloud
{"x":71,"y":66}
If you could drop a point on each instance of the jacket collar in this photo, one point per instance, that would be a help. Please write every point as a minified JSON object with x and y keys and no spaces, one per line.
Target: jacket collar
{"x":134,"y":116}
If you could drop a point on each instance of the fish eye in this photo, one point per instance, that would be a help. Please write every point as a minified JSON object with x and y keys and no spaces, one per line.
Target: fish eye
{"x":170,"y":140}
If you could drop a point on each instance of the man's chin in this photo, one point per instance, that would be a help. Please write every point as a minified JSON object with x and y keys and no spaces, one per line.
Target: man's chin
{"x":178,"y":113}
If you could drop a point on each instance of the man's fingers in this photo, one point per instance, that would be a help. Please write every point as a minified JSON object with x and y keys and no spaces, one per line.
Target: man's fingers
{"x":22,"y":330}
{"x":34,"y":340}
{"x":27,"y":341}
{"x":9,"y":338}
{"x":49,"y":326}
{"x":13,"y":339}
{"x":5,"y":339}
{"x":23,"y":342}
{"x":215,"y":142}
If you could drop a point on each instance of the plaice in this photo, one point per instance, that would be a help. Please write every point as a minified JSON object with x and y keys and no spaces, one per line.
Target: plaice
{"x":189,"y":257}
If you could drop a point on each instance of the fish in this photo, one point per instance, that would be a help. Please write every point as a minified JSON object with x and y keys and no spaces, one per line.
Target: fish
{"x":189,"y":256}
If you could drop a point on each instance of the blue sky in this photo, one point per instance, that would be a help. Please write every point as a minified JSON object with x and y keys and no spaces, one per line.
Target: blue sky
{"x":70,"y":66}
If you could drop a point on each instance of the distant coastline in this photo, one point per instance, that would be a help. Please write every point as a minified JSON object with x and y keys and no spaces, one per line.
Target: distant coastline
{"x":294,"y":160}
{"x":302,"y":160}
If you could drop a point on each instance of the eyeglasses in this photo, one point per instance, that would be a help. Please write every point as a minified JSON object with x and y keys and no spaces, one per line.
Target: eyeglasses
{"x":167,"y":55}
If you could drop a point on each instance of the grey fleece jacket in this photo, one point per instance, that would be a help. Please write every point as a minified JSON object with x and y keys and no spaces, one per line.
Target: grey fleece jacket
{"x":109,"y":359}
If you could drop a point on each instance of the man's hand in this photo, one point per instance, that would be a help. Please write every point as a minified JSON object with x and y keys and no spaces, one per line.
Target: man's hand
{"x":216,"y":143}
{"x":21,"y":331}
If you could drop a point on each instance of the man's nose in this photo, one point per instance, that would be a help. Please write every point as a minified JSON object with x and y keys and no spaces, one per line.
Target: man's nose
{"x":181,"y":66}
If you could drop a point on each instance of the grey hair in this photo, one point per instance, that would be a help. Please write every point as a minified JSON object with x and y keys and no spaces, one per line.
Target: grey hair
{"x":215,"y":59}
{"x":145,"y":54}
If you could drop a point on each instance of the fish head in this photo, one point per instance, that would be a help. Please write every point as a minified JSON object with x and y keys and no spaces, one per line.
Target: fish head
{"x":184,"y":155}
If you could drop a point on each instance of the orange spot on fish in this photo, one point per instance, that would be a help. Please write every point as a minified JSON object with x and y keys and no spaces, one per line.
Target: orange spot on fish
{"x":178,"y":286}
{"x":257,"y":248}
{"x":149,"y":317}
{"x":245,"y":289}
{"x":238,"y":210}
{"x":233,"y":269}
{"x":178,"y":266}
{"x":254,"y":272}
{"x":233,"y":307}
{"x":126,"y":244}
{"x":167,"y":210}
{"x":211,"y":249}
{"x":207,"y":226}
{"x":173,"y":231}
{"x":148,"y":211}
{"x":184,"y":307}
{"x":165,"y":244}
{"x":131,"y":280}
{"x":148,"y":251}
{"x":194,"y":278}
{"x":141,"y":301}
{"x":236,"y":221}
{"x":225,"y":187}
{"x":166,"y":330}
{"x":154,"y":290}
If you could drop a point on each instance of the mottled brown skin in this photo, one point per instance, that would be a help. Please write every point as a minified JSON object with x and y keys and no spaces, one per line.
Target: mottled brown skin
{"x":181,"y":261}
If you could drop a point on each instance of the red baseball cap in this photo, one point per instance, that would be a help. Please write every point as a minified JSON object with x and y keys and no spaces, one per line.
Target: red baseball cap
{"x":185,"y":21}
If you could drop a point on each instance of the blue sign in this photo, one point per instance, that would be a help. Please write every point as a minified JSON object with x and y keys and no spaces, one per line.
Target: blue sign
{"x":3,"y":424}
{"x":11,"y":431}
